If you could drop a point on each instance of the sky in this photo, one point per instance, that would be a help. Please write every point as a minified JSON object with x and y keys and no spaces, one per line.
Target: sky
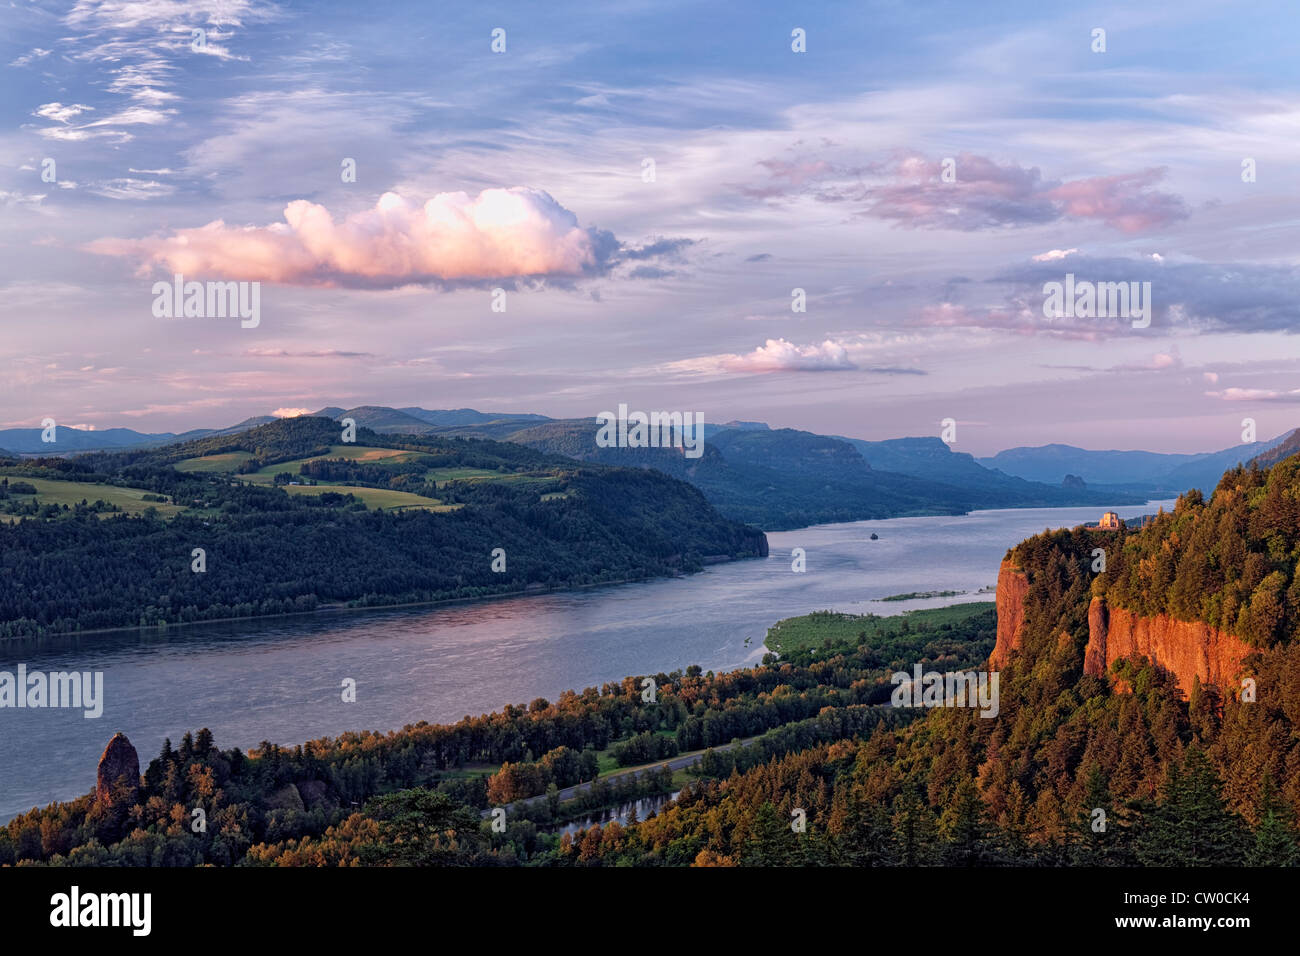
{"x":641,"y":187}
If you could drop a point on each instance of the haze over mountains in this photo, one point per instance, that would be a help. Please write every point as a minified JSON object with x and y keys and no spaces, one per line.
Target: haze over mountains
{"x":1136,"y":470}
{"x":779,"y":478}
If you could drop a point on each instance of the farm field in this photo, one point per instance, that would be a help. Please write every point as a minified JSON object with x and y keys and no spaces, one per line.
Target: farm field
{"x":374,"y":497}
{"x":213,"y":464}
{"x":130,"y":500}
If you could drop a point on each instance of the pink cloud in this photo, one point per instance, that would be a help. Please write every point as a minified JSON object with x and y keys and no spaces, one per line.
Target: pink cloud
{"x":498,"y":234}
{"x":981,"y":194}
{"x":775,"y":355}
{"x":1123,"y":202}
{"x":1257,"y":395}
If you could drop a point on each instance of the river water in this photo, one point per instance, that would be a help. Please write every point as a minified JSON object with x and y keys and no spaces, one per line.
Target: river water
{"x":281,"y":679}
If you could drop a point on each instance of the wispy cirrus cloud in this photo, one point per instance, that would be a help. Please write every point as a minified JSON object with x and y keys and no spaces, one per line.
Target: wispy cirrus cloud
{"x":311,"y":353}
{"x":1287,"y":396}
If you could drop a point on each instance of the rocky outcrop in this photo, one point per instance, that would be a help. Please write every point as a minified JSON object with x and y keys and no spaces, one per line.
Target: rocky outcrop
{"x":1186,"y":649}
{"x":119,"y":768}
{"x":1013,"y":585}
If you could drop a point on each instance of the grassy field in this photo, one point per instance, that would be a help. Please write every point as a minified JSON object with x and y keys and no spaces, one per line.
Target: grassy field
{"x":444,"y":475}
{"x":813,"y":630}
{"x":266,"y":476}
{"x":213,"y":464}
{"x":375,"y":497}
{"x":229,"y":461}
{"x":72,"y":492}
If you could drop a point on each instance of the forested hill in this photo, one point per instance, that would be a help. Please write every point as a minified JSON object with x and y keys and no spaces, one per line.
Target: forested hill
{"x":785,"y":478}
{"x":1229,"y":562}
{"x":1206,"y":777}
{"x":287,"y":517}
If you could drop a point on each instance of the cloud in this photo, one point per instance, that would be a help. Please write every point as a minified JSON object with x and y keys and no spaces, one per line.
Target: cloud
{"x":60,"y":113}
{"x":1257,"y":395}
{"x":1124,"y":202}
{"x":130,"y":188}
{"x":1186,"y":296}
{"x":910,"y":190}
{"x":1157,"y":363}
{"x":122,"y":15}
{"x":652,"y":272}
{"x":31,"y":200}
{"x":29,"y":58}
{"x":291,"y":412}
{"x":1054,"y":254}
{"x":139,"y":44}
{"x":659,"y":247}
{"x":775,"y":355}
{"x":105,"y":128}
{"x":319,"y":353}
{"x":498,"y":234}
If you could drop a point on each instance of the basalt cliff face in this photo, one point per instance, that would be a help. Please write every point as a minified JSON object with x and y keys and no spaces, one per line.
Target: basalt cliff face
{"x":1013,"y":586}
{"x":119,"y":771}
{"x":1187,"y":649}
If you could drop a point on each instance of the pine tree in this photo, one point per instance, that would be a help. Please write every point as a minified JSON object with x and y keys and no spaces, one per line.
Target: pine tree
{"x":771,"y":842}
{"x":914,"y":829}
{"x":1275,"y":837}
{"x":965,"y":829}
{"x":1108,"y":846}
{"x":1192,"y":826}
{"x":861,"y":835}
{"x":1275,"y":843}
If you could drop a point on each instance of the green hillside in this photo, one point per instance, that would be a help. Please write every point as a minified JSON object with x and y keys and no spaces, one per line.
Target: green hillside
{"x":289,"y":520}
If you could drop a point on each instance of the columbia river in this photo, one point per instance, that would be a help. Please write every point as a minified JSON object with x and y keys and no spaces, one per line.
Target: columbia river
{"x":280,"y":679}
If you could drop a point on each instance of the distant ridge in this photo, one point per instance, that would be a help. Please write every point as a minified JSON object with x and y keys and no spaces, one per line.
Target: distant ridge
{"x":1289,"y":447}
{"x":1155,"y":471}
{"x":414,"y":420}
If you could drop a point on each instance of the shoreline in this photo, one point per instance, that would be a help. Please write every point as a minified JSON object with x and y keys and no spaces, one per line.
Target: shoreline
{"x":706,"y":562}
{"x":342,"y":608}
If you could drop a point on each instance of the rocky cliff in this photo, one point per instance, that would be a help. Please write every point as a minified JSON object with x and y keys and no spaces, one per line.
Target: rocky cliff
{"x":1013,"y":585}
{"x":120,"y":767}
{"x":1186,"y":649}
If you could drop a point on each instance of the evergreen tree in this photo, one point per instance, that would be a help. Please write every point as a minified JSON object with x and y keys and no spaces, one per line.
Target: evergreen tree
{"x":1192,"y":826}
{"x":914,"y":829}
{"x":861,"y":835}
{"x":965,"y":829}
{"x":771,"y":842}
{"x":1275,"y":843}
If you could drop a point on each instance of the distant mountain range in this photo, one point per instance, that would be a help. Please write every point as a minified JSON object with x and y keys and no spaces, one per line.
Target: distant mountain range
{"x":406,"y":421}
{"x":27,"y":441}
{"x":782,"y":478}
{"x":1143,"y":471}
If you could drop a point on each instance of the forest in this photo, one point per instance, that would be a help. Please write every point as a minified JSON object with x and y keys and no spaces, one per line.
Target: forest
{"x":1119,"y":769}
{"x":1178,"y":782}
{"x":269,"y":552}
{"x":1230,"y":561}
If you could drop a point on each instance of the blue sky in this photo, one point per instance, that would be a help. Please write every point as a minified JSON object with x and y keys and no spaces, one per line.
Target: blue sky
{"x":773,"y":170}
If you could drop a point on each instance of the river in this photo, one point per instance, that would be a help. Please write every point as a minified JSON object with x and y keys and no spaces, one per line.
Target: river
{"x":280,"y":679}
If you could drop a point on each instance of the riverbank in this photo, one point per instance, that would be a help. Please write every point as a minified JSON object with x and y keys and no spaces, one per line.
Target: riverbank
{"x":329,"y":609}
{"x":278,"y":679}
